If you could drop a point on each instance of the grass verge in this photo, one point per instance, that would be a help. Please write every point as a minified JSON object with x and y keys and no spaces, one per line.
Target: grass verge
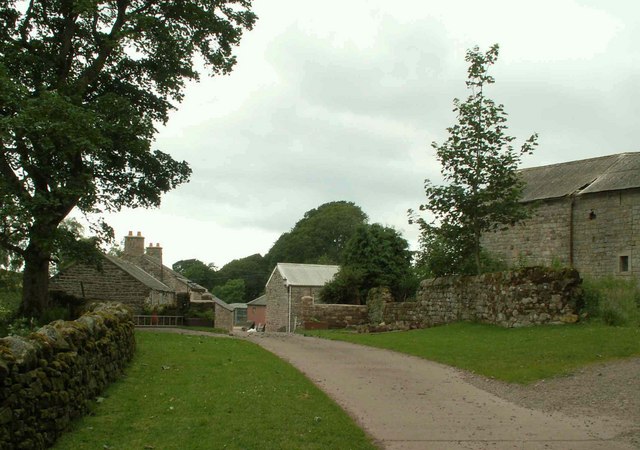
{"x":520,"y":355}
{"x":200,"y":392}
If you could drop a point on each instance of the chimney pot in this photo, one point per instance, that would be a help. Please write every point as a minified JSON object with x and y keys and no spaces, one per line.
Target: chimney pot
{"x":130,"y":233}
{"x":139,"y":234}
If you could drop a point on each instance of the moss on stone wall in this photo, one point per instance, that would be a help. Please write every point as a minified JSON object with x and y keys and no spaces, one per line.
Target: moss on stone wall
{"x":50,"y":377}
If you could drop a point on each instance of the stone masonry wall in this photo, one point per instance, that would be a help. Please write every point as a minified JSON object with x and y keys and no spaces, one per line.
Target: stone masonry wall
{"x":538,"y":241}
{"x":50,"y":378}
{"x":606,"y":227}
{"x":613,"y":230}
{"x":110,"y":284}
{"x":336,"y":316}
{"x":223,"y":318}
{"x":525,"y":297}
{"x":277,"y":303}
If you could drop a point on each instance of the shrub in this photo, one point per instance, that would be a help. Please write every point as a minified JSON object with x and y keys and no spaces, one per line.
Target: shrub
{"x":613,"y":300}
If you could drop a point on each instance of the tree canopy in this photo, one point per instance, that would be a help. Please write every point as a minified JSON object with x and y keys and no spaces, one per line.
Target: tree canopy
{"x":253,"y":270}
{"x":479,"y":166}
{"x":197,"y":271}
{"x":82,"y":87}
{"x":320,"y":236}
{"x":375,"y":256}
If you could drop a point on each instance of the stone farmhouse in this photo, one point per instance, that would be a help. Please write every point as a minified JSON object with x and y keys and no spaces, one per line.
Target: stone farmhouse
{"x":586,"y":216}
{"x":137,"y":278}
{"x":285,"y":288}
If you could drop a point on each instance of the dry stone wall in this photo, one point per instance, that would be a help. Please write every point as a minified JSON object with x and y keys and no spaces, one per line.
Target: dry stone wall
{"x":49,"y":378}
{"x":530,"y":296}
{"x":335,"y":316}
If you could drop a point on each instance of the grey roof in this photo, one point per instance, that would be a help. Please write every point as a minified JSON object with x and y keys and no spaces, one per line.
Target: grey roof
{"x":306,"y":274}
{"x":260,"y":301}
{"x":606,"y":173}
{"x":226,"y":306}
{"x":139,"y":274}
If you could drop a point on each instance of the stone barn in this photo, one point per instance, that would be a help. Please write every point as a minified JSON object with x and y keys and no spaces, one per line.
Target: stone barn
{"x":136,"y":278}
{"x":586,"y":216}
{"x":285,"y":288}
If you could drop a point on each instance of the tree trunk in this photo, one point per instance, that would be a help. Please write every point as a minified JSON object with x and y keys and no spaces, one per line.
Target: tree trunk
{"x":476,"y":252}
{"x":35,"y":283}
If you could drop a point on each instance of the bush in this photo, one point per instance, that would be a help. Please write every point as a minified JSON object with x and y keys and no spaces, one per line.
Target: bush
{"x":613,"y":300}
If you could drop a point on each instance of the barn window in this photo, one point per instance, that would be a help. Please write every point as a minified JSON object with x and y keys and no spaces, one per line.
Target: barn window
{"x":624,"y":263}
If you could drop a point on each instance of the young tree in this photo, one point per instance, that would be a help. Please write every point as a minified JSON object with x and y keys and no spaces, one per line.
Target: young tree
{"x":82,"y":87}
{"x":479,"y":164}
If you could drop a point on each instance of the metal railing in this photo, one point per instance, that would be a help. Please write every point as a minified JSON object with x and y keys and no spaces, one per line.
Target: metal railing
{"x":158,"y":321}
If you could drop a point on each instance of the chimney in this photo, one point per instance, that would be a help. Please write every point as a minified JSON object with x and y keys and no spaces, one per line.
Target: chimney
{"x":133,"y":245}
{"x":155,"y":252}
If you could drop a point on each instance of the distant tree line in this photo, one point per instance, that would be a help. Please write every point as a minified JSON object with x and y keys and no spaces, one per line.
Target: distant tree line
{"x":334,"y":233}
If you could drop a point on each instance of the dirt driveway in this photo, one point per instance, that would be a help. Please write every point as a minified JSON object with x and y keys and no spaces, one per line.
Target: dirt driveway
{"x":405,"y":402}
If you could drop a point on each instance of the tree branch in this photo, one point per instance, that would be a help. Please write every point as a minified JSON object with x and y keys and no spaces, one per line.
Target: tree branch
{"x":92,"y":72}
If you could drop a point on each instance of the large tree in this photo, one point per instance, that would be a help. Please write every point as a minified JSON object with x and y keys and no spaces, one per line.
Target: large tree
{"x":479,"y":165}
{"x":320,"y":236}
{"x":83,"y":85}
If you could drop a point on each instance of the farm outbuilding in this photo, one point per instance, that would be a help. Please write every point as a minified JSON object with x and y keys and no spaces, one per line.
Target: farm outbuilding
{"x":586,"y":216}
{"x":285,"y":288}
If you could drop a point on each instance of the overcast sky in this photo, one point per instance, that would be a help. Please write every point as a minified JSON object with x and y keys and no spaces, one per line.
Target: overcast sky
{"x":340,"y":100}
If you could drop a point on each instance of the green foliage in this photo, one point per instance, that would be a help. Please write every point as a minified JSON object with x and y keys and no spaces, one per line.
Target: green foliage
{"x":345,"y":288}
{"x":479,"y":166}
{"x":83,"y":86}
{"x":197,"y":271}
{"x":615,"y":301}
{"x":320,"y":237}
{"x":209,"y":391}
{"x":254,"y":270}
{"x":374,"y":256}
{"x":231,"y":292}
{"x":520,"y":355}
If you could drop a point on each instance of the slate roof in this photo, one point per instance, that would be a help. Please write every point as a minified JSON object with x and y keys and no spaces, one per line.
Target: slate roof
{"x":305,"y":274}
{"x":260,"y":301}
{"x":139,"y":274}
{"x":606,"y":173}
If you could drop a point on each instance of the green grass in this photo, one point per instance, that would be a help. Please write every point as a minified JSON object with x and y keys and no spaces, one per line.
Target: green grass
{"x":207,"y":329}
{"x":200,"y":392}
{"x":520,"y":355}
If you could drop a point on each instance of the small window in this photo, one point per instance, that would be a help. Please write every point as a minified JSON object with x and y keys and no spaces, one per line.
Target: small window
{"x":624,"y":263}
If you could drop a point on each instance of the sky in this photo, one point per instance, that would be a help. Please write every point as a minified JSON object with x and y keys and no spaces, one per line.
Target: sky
{"x":341,"y":100}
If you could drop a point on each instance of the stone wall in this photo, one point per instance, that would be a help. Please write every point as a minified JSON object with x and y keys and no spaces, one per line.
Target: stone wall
{"x":335,"y":316}
{"x":277,"y":303}
{"x":596,"y":230}
{"x":223,"y":318}
{"x":109,"y":284}
{"x":51,"y":377}
{"x":525,"y":297}
{"x":538,"y":241}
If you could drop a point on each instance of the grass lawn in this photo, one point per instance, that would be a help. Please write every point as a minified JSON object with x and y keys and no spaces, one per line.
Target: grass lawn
{"x":195,"y":392}
{"x":521,"y":355}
